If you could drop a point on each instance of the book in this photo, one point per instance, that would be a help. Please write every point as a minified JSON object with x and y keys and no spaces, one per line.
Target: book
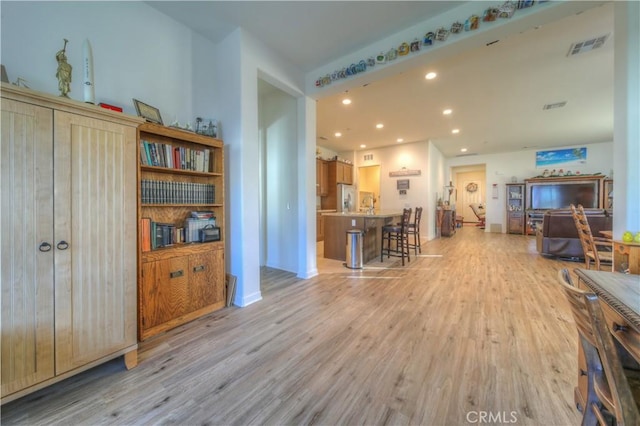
{"x":145,"y":234}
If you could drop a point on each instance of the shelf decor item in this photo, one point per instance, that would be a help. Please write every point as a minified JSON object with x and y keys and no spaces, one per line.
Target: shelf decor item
{"x":147,"y":112}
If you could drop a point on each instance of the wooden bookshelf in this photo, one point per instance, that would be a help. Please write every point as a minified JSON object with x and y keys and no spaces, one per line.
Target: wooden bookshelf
{"x":178,"y":280}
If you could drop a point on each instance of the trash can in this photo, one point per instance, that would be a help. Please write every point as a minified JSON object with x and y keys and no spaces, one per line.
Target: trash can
{"x":354,"y":249}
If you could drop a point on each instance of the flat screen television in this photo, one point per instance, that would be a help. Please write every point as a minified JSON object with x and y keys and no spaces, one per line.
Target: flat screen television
{"x":559,"y":195}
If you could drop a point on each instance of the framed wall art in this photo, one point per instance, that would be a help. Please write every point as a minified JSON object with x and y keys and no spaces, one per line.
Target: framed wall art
{"x":148,"y":112}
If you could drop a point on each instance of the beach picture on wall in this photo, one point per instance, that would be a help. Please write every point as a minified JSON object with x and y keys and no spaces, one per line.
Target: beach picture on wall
{"x":561,"y":157}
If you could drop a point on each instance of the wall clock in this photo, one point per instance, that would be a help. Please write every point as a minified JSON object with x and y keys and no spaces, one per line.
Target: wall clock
{"x":472,"y":187}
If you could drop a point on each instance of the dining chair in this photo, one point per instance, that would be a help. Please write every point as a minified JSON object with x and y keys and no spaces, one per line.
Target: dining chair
{"x":594,"y":248}
{"x":396,"y":233}
{"x":414,"y":229}
{"x":609,"y":396}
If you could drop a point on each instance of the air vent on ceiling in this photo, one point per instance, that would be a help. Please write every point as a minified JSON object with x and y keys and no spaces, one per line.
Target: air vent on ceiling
{"x":467,"y":155}
{"x":555,"y":105}
{"x":587,"y":45}
{"x":322,"y":138}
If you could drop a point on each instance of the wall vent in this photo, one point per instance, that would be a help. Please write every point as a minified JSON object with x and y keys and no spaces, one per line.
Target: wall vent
{"x":467,"y":155}
{"x":587,"y":45}
{"x":555,"y":105}
{"x":368,"y":157}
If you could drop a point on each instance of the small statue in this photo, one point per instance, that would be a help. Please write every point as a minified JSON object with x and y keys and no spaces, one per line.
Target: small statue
{"x":64,"y":71}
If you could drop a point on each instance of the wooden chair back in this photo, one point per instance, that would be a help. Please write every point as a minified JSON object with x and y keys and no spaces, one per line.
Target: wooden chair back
{"x":607,"y":384}
{"x":589,"y":243}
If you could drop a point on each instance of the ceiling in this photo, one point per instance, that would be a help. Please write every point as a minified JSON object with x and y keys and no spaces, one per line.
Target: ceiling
{"x":497,"y":92}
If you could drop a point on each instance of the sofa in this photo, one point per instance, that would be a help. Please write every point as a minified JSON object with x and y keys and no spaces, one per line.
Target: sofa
{"x":558,"y":235}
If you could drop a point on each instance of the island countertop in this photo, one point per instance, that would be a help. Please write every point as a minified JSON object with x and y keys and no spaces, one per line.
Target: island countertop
{"x":378,"y":214}
{"x":337,"y":224}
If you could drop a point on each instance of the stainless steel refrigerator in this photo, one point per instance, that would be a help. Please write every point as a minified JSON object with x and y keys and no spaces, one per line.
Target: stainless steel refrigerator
{"x":346,"y":199}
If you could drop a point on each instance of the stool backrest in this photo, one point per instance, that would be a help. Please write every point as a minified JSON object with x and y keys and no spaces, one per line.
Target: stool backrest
{"x":406,"y":217}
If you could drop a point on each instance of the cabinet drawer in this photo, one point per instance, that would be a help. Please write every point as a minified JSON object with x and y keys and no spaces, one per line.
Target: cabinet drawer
{"x":622,"y":331}
{"x":165,"y":290}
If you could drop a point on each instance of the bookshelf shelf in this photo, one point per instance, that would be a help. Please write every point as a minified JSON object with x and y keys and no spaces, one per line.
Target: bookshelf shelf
{"x":167,"y":170}
{"x":180,"y":175}
{"x":181,"y":205}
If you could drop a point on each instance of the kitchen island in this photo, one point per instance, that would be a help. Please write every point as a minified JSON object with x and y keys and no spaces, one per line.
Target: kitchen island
{"x":336,"y":226}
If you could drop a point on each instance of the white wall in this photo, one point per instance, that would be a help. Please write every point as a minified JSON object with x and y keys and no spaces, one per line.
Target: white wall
{"x":278,"y":125}
{"x":137,"y":52}
{"x":237,"y":102}
{"x":500,"y":168}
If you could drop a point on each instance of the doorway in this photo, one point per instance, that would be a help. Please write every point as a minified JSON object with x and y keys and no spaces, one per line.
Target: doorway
{"x":469,"y":182}
{"x":369,"y":188}
{"x":277,"y":120}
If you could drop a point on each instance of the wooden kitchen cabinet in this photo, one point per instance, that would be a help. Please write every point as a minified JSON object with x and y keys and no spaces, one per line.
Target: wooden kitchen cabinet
{"x":322,"y":177}
{"x":341,"y":172}
{"x":68,"y":260}
{"x":179,"y":280}
{"x":319,"y":227}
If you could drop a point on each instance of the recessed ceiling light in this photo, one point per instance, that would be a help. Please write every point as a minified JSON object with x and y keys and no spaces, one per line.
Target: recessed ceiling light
{"x":346,"y":101}
{"x":447,"y":111}
{"x":399,"y":140}
{"x":337,"y":134}
{"x":463,"y":149}
{"x":379,"y":126}
{"x":430,"y":75}
{"x":455,"y":131}
{"x":363,"y":146}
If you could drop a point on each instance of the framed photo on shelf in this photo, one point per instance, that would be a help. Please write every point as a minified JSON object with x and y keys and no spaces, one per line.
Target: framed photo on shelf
{"x":148,"y":112}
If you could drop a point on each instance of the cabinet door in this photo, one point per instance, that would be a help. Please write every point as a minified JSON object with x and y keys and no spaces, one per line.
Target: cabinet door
{"x":324,"y":178}
{"x":165,"y":290}
{"x":26,"y":160}
{"x":206,"y":274}
{"x":95,"y":218}
{"x":347,"y":174}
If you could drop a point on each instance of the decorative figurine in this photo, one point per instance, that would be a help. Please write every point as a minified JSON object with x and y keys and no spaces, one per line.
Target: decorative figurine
{"x":64,"y":71}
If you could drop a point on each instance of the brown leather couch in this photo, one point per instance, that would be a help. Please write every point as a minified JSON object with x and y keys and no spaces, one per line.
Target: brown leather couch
{"x":558,"y":235}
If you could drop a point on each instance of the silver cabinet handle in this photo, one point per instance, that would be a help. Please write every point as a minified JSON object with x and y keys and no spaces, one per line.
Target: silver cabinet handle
{"x":199,"y":268}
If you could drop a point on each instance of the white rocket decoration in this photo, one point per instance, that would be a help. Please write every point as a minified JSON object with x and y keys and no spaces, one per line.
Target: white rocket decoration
{"x":87,"y":72}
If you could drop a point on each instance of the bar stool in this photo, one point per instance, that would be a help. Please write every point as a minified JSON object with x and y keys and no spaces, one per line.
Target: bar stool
{"x":397,"y":233}
{"x":414,"y":229}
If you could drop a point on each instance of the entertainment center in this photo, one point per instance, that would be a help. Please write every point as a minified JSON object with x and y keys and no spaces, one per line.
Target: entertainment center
{"x":560,"y":192}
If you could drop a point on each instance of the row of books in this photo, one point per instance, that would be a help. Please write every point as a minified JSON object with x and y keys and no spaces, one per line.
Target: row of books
{"x":156,"y":235}
{"x":169,"y":192}
{"x":175,"y":157}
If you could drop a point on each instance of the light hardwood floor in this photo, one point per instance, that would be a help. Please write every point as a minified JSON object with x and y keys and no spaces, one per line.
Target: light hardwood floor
{"x":476,"y":325}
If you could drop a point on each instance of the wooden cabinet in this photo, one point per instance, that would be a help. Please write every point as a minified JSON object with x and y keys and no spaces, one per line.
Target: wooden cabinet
{"x":319,"y":227}
{"x":626,"y":257}
{"x":515,"y":208}
{"x":448,"y":228}
{"x":607,"y":194}
{"x":340,"y":172}
{"x":68,"y":260}
{"x":322,"y":177}
{"x":179,"y":279}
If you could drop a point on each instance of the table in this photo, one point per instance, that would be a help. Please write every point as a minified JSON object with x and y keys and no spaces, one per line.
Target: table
{"x":619,"y":296}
